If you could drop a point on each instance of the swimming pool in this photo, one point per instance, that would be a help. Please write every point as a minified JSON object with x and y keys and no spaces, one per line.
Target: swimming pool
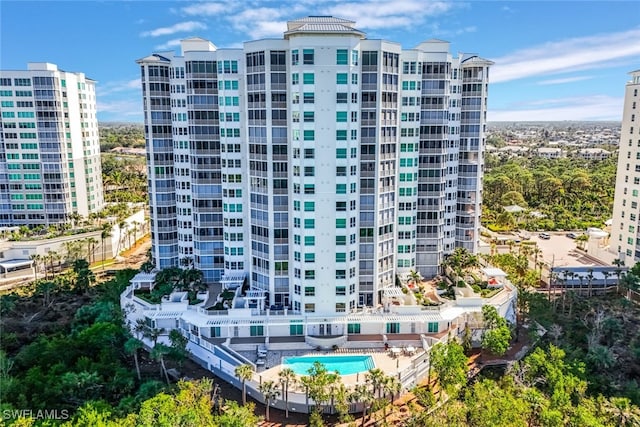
{"x":345,"y":365}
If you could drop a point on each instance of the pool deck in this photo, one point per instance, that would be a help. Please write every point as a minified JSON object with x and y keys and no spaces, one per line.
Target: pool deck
{"x":383,"y":360}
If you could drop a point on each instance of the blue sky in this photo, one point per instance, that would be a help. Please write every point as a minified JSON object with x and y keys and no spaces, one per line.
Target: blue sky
{"x":554,"y":60}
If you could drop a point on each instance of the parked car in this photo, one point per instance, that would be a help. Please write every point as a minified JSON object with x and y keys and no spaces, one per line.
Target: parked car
{"x":572,"y":235}
{"x":544,"y":236}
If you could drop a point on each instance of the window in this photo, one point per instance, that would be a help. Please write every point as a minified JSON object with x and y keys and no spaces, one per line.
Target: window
{"x":341,"y":290}
{"x":308,"y":98}
{"x":309,"y":308}
{"x":341,"y":222}
{"x":341,"y":188}
{"x":341,"y":116}
{"x":310,"y":257}
{"x":309,"y":291}
{"x":341,"y":135}
{"x":309,"y":240}
{"x":342,"y":78}
{"x":310,"y":223}
{"x":296,"y":328}
{"x":256,"y":330}
{"x":307,"y":57}
{"x":342,"y":57}
{"x":341,"y":97}
{"x":295,"y":57}
{"x":353,"y":328}
{"x":309,"y":135}
{"x":393,"y":328}
{"x":309,"y":274}
{"x":309,"y":206}
{"x":309,"y":116}
{"x":295,"y":78}
{"x":341,"y":240}
{"x":308,"y":78}
{"x":341,"y":257}
{"x":341,"y":153}
{"x":340,"y":307}
{"x":432,"y":327}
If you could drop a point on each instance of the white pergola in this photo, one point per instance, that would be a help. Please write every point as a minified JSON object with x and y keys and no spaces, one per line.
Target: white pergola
{"x":392,"y":293}
{"x":494,"y":272}
{"x":232,"y":280}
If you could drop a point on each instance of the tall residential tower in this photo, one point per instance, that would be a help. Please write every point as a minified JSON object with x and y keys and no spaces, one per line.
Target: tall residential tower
{"x":49,"y":146}
{"x":625,"y":230}
{"x":320,"y":165}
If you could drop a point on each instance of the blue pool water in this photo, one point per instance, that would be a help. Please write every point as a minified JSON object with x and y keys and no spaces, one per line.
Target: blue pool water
{"x":345,"y":365}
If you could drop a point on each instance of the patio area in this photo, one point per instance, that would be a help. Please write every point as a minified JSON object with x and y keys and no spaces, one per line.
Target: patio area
{"x":389,"y":362}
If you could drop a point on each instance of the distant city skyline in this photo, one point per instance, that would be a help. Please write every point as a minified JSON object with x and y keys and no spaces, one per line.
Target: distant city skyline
{"x":554,"y":60}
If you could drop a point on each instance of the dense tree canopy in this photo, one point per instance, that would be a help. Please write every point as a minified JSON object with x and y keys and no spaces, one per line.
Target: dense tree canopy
{"x":571,"y":193}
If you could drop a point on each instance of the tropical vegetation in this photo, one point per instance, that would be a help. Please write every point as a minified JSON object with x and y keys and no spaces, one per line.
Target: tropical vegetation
{"x":566,"y":194}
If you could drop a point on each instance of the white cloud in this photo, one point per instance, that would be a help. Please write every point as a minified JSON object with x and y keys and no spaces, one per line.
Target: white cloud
{"x":260,"y":22}
{"x":564,"y":80}
{"x":567,"y":55}
{"x":597,"y":107}
{"x":117,"y":86}
{"x":124,"y":107}
{"x":168,"y":45}
{"x":180,"y":27}
{"x":206,"y":9}
{"x":376,"y":14}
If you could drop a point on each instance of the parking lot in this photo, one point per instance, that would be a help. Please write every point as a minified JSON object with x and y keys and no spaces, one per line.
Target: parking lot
{"x":560,"y":251}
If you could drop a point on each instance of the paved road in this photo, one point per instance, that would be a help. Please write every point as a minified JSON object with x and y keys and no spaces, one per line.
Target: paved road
{"x":134,"y":259}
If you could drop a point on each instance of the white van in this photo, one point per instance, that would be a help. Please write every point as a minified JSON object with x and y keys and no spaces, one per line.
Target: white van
{"x":544,"y":236}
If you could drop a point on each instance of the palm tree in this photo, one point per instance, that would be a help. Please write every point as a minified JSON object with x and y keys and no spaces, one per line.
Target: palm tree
{"x":619,"y":264}
{"x":287,"y":379}
{"x":91,"y":247}
{"x":363,"y":394}
{"x":375,"y":378}
{"x":340,"y":396}
{"x":36,"y":258}
{"x":131,"y":347}
{"x":84,"y":276}
{"x":74,"y":217}
{"x":392,"y":386}
{"x":122,"y":228}
{"x":590,"y":278}
{"x":269,"y":390}
{"x":105,"y":234}
{"x":153,"y":334}
{"x":415,"y":276}
{"x":141,"y":329}
{"x":136,"y":227}
{"x":158,"y":353}
{"x":606,"y":274}
{"x":244,"y":373}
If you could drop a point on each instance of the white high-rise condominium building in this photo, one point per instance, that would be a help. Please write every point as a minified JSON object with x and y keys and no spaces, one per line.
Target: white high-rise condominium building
{"x":319,"y":166}
{"x":49,"y":146}
{"x":625,"y":230}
